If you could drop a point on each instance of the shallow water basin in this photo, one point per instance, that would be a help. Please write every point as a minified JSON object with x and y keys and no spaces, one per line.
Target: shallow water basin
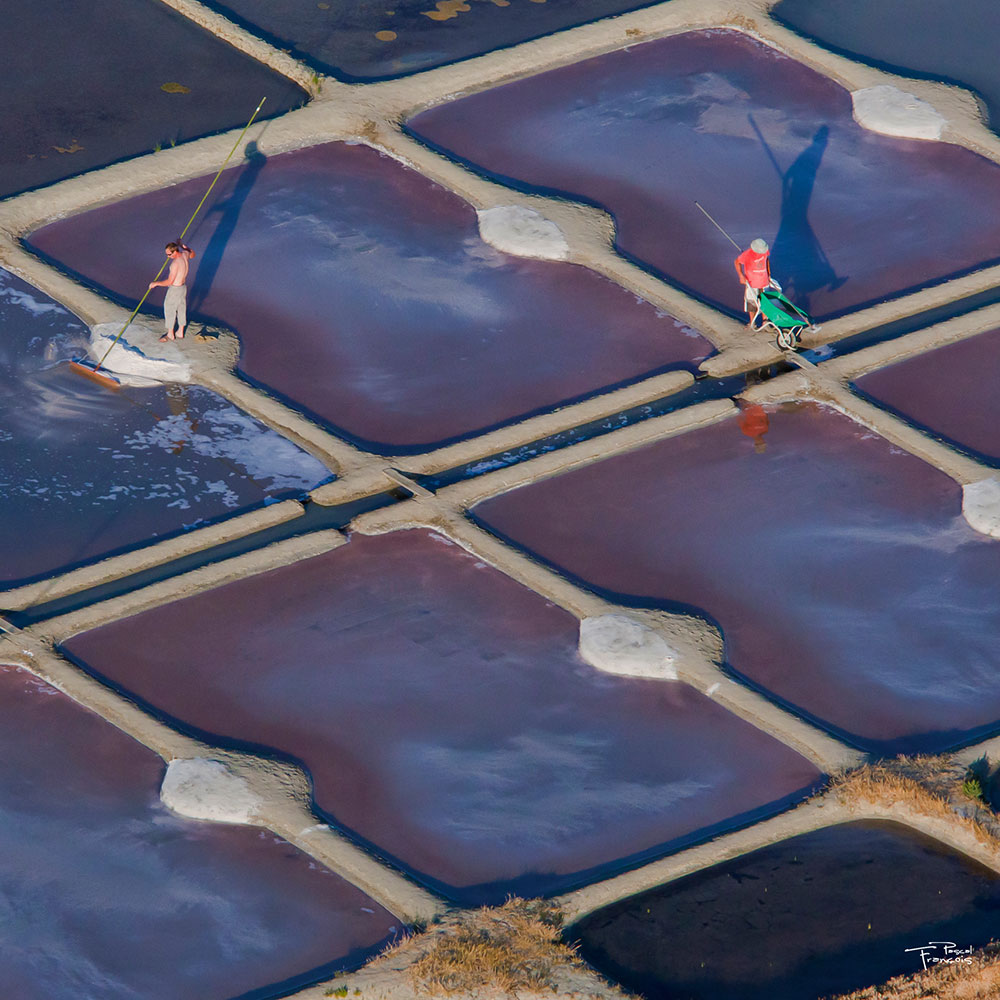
{"x":767,"y":146}
{"x":446,"y":718}
{"x":363,"y":295}
{"x":108,"y":894}
{"x":950,"y":392}
{"x":86,"y":472}
{"x":844,"y":579}
{"x":360,"y":40}
{"x":86,"y":85}
{"x":906,"y":37}
{"x":818,"y":915}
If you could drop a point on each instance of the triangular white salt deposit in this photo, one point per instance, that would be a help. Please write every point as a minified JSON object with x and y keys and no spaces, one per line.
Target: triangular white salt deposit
{"x":892,"y":111}
{"x":139,"y":358}
{"x":200,"y":788}
{"x":981,"y":506}
{"x":618,"y":644}
{"x":522,"y":232}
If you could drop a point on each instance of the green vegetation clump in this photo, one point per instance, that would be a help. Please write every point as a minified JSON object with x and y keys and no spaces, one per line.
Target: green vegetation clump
{"x":972,"y":789}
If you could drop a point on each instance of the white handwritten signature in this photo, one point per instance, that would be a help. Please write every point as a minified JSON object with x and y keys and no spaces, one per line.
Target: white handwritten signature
{"x":943,"y":953}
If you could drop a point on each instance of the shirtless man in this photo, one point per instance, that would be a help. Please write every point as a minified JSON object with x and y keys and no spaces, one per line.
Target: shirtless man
{"x":175,"y":301}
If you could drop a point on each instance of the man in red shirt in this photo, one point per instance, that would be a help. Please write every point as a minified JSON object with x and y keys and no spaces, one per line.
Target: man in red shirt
{"x":754,"y":268}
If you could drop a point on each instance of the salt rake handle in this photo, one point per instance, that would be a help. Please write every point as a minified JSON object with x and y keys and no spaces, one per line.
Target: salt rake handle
{"x":717,"y":226}
{"x":218,"y":174}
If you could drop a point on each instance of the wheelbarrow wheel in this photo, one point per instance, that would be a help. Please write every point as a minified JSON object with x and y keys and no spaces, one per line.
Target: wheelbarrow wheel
{"x":787,"y":340}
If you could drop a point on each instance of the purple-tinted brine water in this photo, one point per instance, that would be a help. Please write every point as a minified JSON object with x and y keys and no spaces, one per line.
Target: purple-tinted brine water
{"x":840,"y":570}
{"x":446,"y":718}
{"x":768,"y":146}
{"x":86,"y":472}
{"x":105,"y":893}
{"x":363,"y":294}
{"x":951,"y":392}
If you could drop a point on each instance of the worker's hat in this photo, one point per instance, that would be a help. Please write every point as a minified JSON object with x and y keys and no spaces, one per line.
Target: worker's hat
{"x":759,"y":246}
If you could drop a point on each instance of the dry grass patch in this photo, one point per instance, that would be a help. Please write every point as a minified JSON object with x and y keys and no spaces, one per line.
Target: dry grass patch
{"x":509,"y":948}
{"x":979,"y":980}
{"x":932,"y":786}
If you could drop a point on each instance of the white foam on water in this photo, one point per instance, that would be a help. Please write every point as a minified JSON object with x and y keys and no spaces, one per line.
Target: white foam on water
{"x":263,"y":454}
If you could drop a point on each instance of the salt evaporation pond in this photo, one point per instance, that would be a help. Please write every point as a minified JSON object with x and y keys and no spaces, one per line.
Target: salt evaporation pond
{"x":107,"y":894}
{"x":86,"y":472}
{"x":818,"y":915}
{"x":360,"y":40}
{"x":840,"y":570}
{"x":951,"y":392}
{"x":950,"y":42}
{"x":88,"y":84}
{"x":446,"y":719}
{"x":363,"y":295}
{"x":766,"y":145}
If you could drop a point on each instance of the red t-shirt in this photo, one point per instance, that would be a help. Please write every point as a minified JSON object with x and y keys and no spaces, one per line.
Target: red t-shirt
{"x":757,"y":267}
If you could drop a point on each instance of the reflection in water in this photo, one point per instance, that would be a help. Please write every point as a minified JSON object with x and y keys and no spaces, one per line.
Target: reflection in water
{"x":754,"y":424}
{"x":873,"y":604}
{"x":85,"y":472}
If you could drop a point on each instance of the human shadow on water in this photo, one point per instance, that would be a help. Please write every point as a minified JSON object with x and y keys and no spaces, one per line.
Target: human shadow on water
{"x":228,"y":209}
{"x":799,"y":257}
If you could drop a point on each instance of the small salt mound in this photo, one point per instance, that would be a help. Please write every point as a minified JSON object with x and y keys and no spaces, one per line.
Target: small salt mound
{"x":618,"y":644}
{"x":139,"y":358}
{"x":200,"y":788}
{"x":892,"y":111}
{"x":981,"y":506}
{"x":522,"y":232}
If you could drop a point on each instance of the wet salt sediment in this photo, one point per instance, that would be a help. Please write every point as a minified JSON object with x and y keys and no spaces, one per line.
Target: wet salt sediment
{"x":446,"y":719}
{"x":107,"y":894}
{"x":818,"y":915}
{"x":840,"y":570}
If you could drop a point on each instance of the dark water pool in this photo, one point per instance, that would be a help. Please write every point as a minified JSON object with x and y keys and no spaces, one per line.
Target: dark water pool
{"x":766,"y":145}
{"x":950,"y":392}
{"x":843,"y":576}
{"x":83,"y":86}
{"x":85,"y":472}
{"x":446,"y":718}
{"x":818,"y":915}
{"x":372,"y":39}
{"x":363,"y":295}
{"x":952,"y":42}
{"x":105,"y":893}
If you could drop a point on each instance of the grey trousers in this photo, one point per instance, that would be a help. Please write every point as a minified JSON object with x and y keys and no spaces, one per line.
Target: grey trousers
{"x":175,"y":307}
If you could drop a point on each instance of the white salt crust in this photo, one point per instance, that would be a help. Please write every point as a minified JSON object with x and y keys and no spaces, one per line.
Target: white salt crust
{"x":892,"y":111}
{"x":205,"y":789}
{"x":139,"y":358}
{"x":618,"y":644}
{"x":981,"y":506}
{"x":522,"y":232}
